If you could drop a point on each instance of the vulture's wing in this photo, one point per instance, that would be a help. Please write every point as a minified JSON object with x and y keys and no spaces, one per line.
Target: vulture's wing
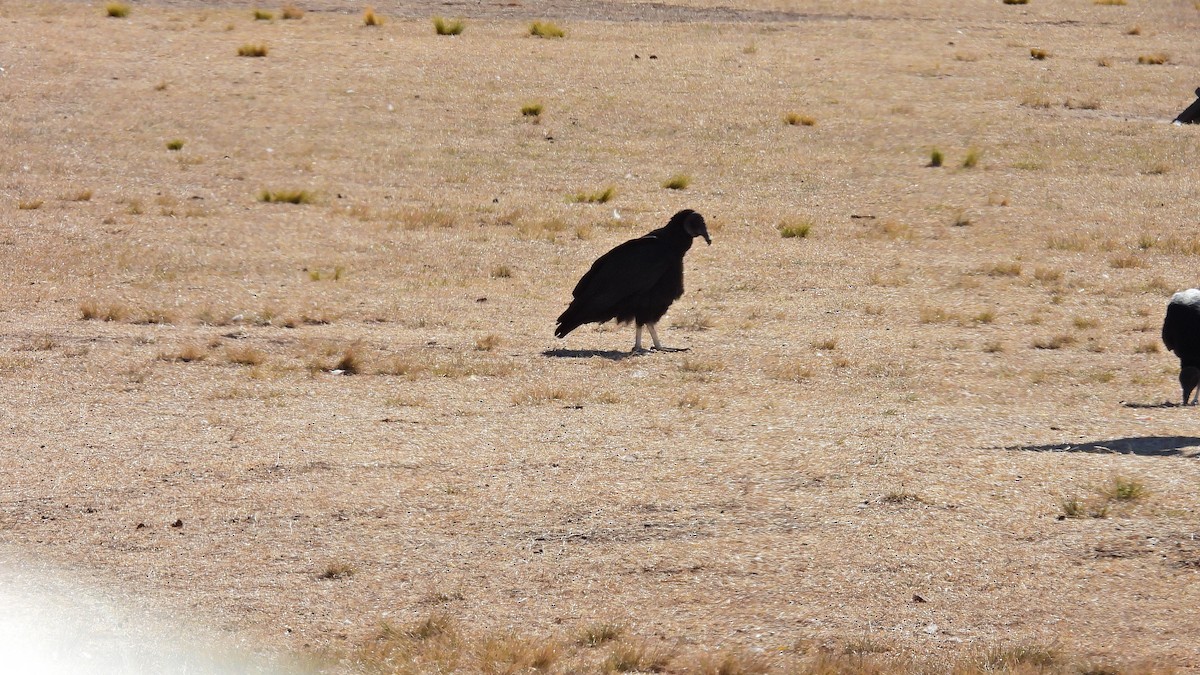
{"x":627,"y":270}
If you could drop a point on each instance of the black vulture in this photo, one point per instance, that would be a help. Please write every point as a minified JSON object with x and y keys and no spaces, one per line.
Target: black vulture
{"x":636,"y":281}
{"x":1181,"y":334}
{"x":1190,"y":114}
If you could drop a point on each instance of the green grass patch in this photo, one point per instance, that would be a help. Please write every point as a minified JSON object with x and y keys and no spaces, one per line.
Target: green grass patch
{"x":936,"y":158}
{"x":546,"y":29}
{"x":448,"y":26}
{"x":797,"y":230}
{"x":600,"y":197}
{"x":286,"y":196}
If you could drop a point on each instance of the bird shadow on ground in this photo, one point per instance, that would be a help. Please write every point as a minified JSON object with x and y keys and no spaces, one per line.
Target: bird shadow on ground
{"x":1144,"y":446}
{"x":1164,"y":404}
{"x":587,"y":354}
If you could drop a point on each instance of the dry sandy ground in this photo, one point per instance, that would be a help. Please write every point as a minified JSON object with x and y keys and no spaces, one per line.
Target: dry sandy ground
{"x":900,"y":403}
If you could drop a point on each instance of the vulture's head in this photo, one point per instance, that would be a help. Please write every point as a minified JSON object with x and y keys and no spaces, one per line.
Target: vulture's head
{"x":1189,"y":379}
{"x":693,"y":224}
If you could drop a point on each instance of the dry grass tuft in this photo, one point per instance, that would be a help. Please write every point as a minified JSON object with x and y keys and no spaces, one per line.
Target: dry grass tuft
{"x":91,"y":310}
{"x":532,"y":110}
{"x":679,"y":181}
{"x":487,"y":343}
{"x":286,"y":196}
{"x":29,"y":204}
{"x":245,"y":355}
{"x":600,"y":197}
{"x":448,"y":26}
{"x":638,"y":657}
{"x":370,"y":18}
{"x":116,"y":10}
{"x":596,"y":634}
{"x":1039,"y":54}
{"x":263,"y":15}
{"x":798,"y":120}
{"x":794,"y":230}
{"x":971,"y":160}
{"x":291,"y":13}
{"x":936,"y":158}
{"x":252,"y":50}
{"x":1055,"y":342}
{"x":546,"y":29}
{"x":1156,"y":59}
{"x":335,"y":571}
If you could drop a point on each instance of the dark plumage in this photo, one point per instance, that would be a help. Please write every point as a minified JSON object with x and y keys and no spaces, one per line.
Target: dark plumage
{"x":636,"y":281}
{"x":1191,"y":114}
{"x":1181,"y":334}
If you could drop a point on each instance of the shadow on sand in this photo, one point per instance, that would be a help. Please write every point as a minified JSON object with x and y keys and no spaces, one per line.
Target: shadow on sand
{"x":1144,"y":446}
{"x":1164,"y":404}
{"x":587,"y":354}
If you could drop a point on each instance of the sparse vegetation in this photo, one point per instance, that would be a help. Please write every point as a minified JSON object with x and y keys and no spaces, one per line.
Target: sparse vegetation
{"x":291,"y":13}
{"x":335,"y":571}
{"x":175,"y":144}
{"x":794,"y":230}
{"x":531,"y":110}
{"x":1055,"y":342}
{"x":116,"y":10}
{"x":1156,"y":59}
{"x":599,"y":197}
{"x":448,"y":26}
{"x":29,"y":204}
{"x":796,"y":119}
{"x":286,"y":196}
{"x":972,"y":158}
{"x":263,"y":15}
{"x":370,"y":18}
{"x":596,"y":634}
{"x":1039,"y":54}
{"x":936,"y":157}
{"x":546,"y":29}
{"x":679,"y":181}
{"x":253,"y":50}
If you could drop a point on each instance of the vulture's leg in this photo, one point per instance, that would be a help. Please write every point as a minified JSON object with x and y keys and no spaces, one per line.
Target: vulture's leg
{"x":658,"y":345}
{"x":637,"y":340}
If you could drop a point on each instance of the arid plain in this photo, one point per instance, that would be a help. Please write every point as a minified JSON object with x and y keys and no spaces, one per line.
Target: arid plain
{"x":929,"y":430}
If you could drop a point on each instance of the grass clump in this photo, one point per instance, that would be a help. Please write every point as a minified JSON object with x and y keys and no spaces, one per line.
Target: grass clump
{"x":1074,"y":507}
{"x":797,"y":120}
{"x":253,"y":51}
{"x":286,"y":196}
{"x":972,"y":158}
{"x":263,"y":15}
{"x":1125,"y":489}
{"x":448,"y":27}
{"x":335,"y":571}
{"x":90,"y":310}
{"x":370,"y":18}
{"x":679,"y":181}
{"x":1153,"y":59}
{"x":600,"y":197}
{"x":116,"y":10}
{"x":531,"y":110}
{"x":596,"y":634}
{"x":1039,"y":54}
{"x":29,"y":204}
{"x":797,"y":230}
{"x":291,"y":13}
{"x":637,"y":658}
{"x":546,"y":29}
{"x":936,"y":157}
{"x":1055,"y":342}
{"x":175,"y":144}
